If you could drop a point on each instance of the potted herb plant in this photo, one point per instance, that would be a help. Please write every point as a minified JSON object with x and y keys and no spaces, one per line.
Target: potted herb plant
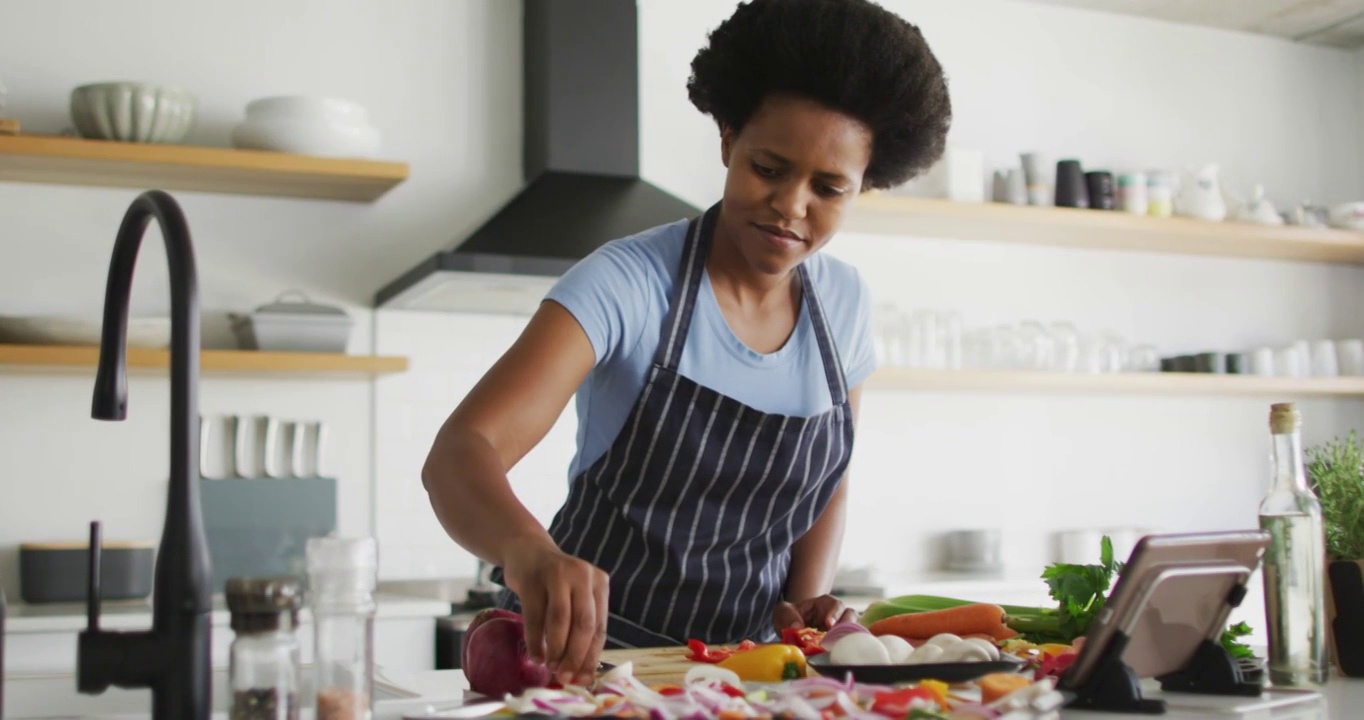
{"x":1335,"y":471}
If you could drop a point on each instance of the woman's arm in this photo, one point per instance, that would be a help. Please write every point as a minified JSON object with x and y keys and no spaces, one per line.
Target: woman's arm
{"x":507,"y":413}
{"x":814,"y":557}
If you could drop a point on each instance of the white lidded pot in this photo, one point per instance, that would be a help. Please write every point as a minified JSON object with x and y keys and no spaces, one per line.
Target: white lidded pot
{"x":294,"y":325}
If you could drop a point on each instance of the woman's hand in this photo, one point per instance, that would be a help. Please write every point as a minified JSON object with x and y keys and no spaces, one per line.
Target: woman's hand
{"x":564,"y":604}
{"x":820,"y":613}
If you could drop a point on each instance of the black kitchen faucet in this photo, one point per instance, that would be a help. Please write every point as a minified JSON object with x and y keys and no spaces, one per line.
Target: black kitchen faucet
{"x":172,"y":659}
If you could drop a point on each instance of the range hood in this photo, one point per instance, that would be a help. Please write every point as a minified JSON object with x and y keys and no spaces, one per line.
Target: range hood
{"x":581,"y":163}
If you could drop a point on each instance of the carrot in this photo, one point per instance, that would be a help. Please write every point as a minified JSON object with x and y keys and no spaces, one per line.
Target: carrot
{"x":965,"y":620}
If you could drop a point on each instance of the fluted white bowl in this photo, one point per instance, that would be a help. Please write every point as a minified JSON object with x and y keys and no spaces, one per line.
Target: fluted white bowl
{"x":133,"y":112}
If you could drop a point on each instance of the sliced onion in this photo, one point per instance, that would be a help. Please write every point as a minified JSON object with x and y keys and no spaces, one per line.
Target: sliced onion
{"x":712,"y":673}
{"x":839,"y":631}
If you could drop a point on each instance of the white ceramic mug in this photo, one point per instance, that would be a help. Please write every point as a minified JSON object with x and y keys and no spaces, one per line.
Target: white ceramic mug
{"x":1262,"y":361}
{"x":1324,"y":362}
{"x":1350,"y":356}
{"x":1289,"y":362}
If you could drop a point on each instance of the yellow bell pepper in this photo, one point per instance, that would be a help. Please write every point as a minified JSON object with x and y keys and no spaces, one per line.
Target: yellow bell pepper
{"x":767,"y":663}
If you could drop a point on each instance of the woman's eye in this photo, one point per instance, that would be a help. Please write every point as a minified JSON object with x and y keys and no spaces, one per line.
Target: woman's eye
{"x":828,"y":190}
{"x":764,"y":170}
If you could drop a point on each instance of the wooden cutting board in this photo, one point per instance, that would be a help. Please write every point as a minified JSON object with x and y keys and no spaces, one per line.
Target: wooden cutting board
{"x":653,"y":665}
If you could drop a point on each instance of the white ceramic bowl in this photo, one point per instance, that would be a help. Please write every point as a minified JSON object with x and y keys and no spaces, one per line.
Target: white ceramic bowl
{"x":133,"y":112}
{"x":1349,"y":216}
{"x":305,"y":125}
{"x":303,"y":107}
{"x":308,"y":137}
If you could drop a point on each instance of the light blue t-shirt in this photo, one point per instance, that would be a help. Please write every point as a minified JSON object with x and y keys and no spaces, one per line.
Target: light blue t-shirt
{"x":620,"y":294}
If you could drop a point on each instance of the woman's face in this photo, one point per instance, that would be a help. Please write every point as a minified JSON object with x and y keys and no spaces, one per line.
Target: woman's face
{"x":793,"y":172}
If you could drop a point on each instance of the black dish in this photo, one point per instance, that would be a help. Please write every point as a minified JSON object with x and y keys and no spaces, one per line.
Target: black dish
{"x":888,"y":674}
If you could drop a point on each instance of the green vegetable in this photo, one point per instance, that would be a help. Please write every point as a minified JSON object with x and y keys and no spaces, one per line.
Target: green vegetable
{"x":906,"y":604}
{"x":922,"y":714}
{"x":1237,"y":649}
{"x":1336,"y":473}
{"x":1080,"y":592}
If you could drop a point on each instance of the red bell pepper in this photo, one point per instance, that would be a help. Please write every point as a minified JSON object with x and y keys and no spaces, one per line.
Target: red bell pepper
{"x":700,"y":652}
{"x":807,"y":639}
{"x":898,"y":703}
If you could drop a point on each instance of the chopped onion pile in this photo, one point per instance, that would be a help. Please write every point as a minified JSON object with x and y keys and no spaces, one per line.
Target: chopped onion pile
{"x":707,"y":694}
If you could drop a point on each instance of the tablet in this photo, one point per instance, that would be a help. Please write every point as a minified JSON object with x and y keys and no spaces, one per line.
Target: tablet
{"x":1174,"y":592}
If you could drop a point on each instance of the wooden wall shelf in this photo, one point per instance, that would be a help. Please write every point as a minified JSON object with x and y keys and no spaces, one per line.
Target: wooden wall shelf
{"x":68,"y":358}
{"x":914,"y":380}
{"x":72,"y":161}
{"x":884,"y":214}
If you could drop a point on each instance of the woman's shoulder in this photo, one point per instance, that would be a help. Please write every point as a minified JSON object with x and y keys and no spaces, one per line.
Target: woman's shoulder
{"x":647,"y":254}
{"x":843,"y":291}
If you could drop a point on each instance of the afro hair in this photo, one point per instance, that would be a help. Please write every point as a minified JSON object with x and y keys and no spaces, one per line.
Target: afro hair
{"x":852,"y":56}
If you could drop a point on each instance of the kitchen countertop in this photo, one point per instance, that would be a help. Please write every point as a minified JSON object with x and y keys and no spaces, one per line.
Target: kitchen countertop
{"x":24,"y":618}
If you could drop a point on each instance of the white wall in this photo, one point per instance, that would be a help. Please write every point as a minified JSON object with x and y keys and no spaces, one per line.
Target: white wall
{"x":441,"y":79}
{"x":1118,"y":93}
{"x":447,"y":95}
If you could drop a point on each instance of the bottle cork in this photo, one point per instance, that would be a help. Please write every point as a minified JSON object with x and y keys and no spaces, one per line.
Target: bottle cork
{"x":1284,"y":418}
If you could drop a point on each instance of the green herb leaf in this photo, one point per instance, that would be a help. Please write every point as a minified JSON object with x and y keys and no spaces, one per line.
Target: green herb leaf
{"x":1080,"y":591}
{"x":1229,"y":640}
{"x":1335,"y":471}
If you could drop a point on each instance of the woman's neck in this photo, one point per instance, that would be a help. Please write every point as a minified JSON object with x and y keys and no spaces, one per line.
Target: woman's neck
{"x":735,"y":281}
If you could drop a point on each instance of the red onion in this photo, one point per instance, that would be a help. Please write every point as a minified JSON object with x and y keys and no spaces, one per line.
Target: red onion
{"x":841,"y":630}
{"x":496,"y":659}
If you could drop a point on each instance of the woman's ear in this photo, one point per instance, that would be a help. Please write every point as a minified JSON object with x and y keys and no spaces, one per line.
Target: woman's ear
{"x":726,"y":144}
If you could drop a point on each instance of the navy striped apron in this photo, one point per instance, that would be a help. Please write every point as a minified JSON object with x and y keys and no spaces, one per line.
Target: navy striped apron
{"x":694,"y":508}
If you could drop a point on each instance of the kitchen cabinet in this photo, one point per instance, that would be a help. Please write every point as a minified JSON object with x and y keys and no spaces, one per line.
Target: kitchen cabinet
{"x":66,"y":359}
{"x":73,"y":161}
{"x":884,"y":214}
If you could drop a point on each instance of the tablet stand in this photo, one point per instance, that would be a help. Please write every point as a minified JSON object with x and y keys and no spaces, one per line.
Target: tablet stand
{"x":1113,"y":686}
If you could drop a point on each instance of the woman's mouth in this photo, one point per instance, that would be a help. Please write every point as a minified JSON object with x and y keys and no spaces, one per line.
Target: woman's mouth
{"x":778,"y":237}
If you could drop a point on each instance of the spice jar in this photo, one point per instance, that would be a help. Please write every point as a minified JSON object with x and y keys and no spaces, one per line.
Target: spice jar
{"x":342,"y":574}
{"x":264,"y":662}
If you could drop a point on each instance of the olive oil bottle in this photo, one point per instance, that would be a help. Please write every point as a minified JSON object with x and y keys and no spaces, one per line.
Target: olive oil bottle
{"x":1294,"y":569}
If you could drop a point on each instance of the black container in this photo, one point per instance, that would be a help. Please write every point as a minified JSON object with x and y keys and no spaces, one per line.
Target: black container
{"x":1185,"y":363}
{"x":1070,"y":185}
{"x":1167,"y":364}
{"x":59,"y":572}
{"x":1100,"y":186}
{"x":1238,"y":363}
{"x":1210,"y":362}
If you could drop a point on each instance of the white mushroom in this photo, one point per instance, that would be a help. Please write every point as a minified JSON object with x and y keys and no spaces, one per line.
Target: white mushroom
{"x":897,"y":648}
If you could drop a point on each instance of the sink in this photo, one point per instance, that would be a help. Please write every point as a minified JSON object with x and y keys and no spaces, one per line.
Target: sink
{"x":52,"y":696}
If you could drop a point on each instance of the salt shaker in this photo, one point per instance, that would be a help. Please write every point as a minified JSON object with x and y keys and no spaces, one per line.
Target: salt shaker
{"x":265,"y":658}
{"x":342,"y":575}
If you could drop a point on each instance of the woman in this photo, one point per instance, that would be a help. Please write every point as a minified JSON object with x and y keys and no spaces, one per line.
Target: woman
{"x":716,"y":361}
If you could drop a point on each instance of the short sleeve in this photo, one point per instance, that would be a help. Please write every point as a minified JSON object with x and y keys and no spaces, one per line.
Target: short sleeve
{"x":860,"y":355}
{"x":605,"y":292}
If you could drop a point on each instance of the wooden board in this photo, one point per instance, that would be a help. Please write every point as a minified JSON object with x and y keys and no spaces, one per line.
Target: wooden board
{"x":9,"y":126}
{"x":885,"y":214}
{"x":72,"y":358}
{"x":893,"y":379}
{"x":654,"y":665}
{"x":74,"y":161}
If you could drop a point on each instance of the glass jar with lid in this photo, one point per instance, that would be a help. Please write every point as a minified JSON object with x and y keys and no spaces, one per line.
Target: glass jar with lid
{"x":342,"y":574}
{"x":265,"y":659}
